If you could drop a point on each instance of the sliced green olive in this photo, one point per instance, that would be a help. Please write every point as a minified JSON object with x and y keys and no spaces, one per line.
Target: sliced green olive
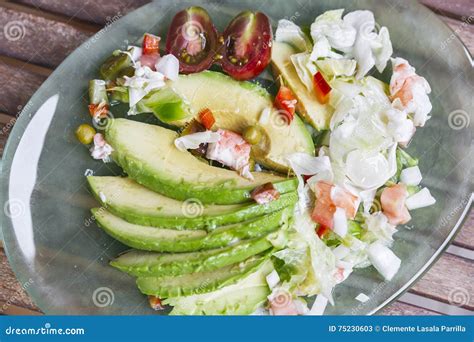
{"x":252,"y":135}
{"x":85,"y":134}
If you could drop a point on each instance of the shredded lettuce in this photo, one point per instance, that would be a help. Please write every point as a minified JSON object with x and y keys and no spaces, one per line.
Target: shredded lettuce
{"x":290,"y":33}
{"x":331,"y":67}
{"x":323,"y":263}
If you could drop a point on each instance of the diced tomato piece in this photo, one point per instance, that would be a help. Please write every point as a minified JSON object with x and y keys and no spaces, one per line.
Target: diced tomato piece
{"x":265,"y":193}
{"x":155,"y":303}
{"x":285,"y":102}
{"x":150,"y":60}
{"x":207,"y":118}
{"x":321,"y":88}
{"x":345,"y":200}
{"x":99,"y":110}
{"x":393,"y":204}
{"x":151,"y":44}
{"x":325,"y":205}
{"x":323,"y":213}
{"x":322,"y":231}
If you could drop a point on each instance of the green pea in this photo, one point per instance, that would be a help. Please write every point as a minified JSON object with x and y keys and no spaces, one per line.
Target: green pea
{"x":85,"y":134}
{"x":252,"y":135}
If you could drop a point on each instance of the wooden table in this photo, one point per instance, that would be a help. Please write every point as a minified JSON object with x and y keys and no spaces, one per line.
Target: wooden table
{"x":54,"y":28}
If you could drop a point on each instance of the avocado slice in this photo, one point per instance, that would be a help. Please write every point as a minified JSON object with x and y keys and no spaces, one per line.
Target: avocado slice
{"x":134,"y":203}
{"x":237,"y":105}
{"x":148,"y":154}
{"x":201,"y":282}
{"x":316,"y":114}
{"x":171,"y":240}
{"x":142,"y":264}
{"x":241,"y":298}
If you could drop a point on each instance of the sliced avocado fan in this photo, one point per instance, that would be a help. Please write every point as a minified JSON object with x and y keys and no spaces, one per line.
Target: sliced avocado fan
{"x":241,"y":298}
{"x":143,"y":264}
{"x":171,"y":240}
{"x":148,"y":155}
{"x":136,"y":204}
{"x":202,"y":282}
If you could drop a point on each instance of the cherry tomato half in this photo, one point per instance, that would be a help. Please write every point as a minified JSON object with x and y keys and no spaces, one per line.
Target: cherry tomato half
{"x":193,"y":39}
{"x":247,"y":45}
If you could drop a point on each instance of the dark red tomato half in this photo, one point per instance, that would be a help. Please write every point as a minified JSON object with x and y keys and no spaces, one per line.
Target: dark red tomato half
{"x":247,"y":45}
{"x":193,"y":39}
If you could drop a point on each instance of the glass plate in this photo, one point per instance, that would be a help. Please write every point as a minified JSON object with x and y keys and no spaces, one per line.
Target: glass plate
{"x":60,"y":256}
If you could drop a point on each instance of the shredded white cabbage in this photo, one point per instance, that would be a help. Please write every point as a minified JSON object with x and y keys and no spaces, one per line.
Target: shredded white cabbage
{"x":192,"y":141}
{"x":290,"y":33}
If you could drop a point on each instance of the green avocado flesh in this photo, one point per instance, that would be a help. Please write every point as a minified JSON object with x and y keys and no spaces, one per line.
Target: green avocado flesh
{"x":202,"y":282}
{"x":136,"y":204}
{"x":237,"y":105}
{"x":241,"y":298}
{"x":312,"y":111}
{"x":171,"y":240}
{"x":165,"y":104}
{"x":140,"y":264}
{"x":148,"y":154}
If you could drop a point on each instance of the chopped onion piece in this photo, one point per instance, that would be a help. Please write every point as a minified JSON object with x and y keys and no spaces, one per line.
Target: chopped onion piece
{"x":168,"y":65}
{"x":273,"y":279}
{"x":362,"y":297}
{"x":341,"y":251}
{"x":421,"y":199}
{"x":411,"y":176}
{"x":319,"y":306}
{"x":340,"y":222}
{"x":134,"y":52}
{"x":384,"y":260}
{"x":192,"y":141}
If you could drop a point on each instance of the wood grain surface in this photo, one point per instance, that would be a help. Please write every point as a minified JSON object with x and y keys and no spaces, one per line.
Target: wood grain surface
{"x":65,"y":24}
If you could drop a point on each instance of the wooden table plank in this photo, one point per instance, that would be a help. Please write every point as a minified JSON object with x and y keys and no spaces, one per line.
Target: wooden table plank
{"x":465,"y":237}
{"x":464,"y":30}
{"x":17,"y":84}
{"x":24,"y":36}
{"x":11,"y":292}
{"x":458,"y":9}
{"x":99,"y":12}
{"x":449,"y":281}
{"x":402,"y":309}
